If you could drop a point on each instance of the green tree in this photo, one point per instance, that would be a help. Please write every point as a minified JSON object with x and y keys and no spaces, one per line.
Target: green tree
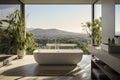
{"x":31,"y":45}
{"x":13,"y":27}
{"x":85,"y":48}
{"x":94,"y":31}
{"x":12,"y":34}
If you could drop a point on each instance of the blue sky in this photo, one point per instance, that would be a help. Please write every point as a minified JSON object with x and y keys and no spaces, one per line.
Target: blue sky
{"x":63,"y":17}
{"x":6,"y":10}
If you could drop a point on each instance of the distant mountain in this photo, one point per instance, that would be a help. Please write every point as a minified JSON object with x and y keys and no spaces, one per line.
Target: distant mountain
{"x":55,"y":33}
{"x":29,"y":29}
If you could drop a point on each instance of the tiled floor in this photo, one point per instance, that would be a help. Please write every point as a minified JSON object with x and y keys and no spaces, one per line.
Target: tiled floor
{"x":28,"y":69}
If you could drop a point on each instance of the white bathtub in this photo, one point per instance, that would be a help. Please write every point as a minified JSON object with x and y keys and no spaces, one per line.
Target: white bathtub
{"x":58,"y":56}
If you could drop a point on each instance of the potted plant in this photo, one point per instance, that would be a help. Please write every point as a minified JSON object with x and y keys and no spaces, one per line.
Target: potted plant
{"x":16,"y":29}
{"x":20,"y":35}
{"x":12,"y":31}
{"x":20,"y":39}
{"x":94,"y":31}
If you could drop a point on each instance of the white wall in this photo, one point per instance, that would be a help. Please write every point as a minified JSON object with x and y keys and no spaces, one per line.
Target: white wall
{"x":108,"y":19}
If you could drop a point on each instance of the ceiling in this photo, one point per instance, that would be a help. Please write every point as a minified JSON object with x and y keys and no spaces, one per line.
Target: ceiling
{"x":47,"y":1}
{"x":50,"y":1}
{"x":9,"y":2}
{"x":117,"y":1}
{"x":58,"y":1}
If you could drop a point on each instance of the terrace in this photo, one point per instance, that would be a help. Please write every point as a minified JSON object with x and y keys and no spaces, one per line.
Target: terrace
{"x":28,"y":69}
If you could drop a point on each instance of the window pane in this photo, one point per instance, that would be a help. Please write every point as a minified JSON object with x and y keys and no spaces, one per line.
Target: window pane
{"x":117,"y":20}
{"x":6,"y":10}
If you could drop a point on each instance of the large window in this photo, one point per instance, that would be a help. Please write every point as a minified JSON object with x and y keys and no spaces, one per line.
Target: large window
{"x":97,"y":7}
{"x":58,"y":24}
{"x":117,"y":19}
{"x":63,"y":17}
{"x":5,"y":44}
{"x":6,"y":10}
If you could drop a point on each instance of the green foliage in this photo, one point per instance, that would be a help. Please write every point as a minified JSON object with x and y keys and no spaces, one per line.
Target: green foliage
{"x":94,"y":31}
{"x":31,"y":45}
{"x":12,"y":35}
{"x":12,"y":32}
{"x":15,"y":31}
{"x":18,"y":30}
{"x":80,"y":44}
{"x":85,"y":48}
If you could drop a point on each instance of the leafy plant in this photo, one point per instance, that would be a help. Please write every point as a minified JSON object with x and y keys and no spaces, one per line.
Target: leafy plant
{"x":12,"y":35}
{"x":94,"y":31}
{"x":31,"y":45}
{"x":13,"y":32}
{"x":16,"y":28}
{"x":85,"y":48}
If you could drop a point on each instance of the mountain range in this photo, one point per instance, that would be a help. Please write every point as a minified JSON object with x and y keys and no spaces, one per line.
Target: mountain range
{"x":55,"y":33}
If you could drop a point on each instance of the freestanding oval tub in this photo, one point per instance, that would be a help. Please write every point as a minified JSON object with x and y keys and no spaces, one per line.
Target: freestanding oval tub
{"x":58,"y":56}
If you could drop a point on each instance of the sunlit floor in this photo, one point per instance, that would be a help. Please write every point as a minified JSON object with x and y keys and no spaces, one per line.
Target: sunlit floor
{"x":28,"y":69}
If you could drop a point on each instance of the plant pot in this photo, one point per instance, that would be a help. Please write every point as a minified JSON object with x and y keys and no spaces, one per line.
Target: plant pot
{"x":21,"y":53}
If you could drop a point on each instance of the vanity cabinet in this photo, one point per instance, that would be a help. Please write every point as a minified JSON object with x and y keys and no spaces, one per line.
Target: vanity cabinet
{"x":104,"y":66}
